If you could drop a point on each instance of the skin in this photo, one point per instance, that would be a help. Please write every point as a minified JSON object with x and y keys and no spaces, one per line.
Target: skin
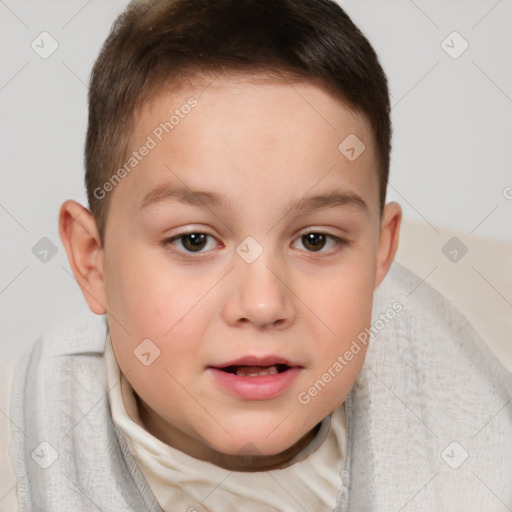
{"x":262,"y":144}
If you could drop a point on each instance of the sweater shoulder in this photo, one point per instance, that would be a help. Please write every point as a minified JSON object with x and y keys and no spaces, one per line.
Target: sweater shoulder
{"x":8,"y":493}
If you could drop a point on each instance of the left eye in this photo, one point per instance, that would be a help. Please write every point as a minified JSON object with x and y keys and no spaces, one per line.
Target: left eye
{"x":194,"y":242}
{"x":317,"y":241}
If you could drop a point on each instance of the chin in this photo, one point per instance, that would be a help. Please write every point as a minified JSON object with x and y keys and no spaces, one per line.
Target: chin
{"x":257,"y":439}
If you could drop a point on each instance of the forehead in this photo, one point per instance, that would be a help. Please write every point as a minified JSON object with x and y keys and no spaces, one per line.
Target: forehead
{"x":235,"y":133}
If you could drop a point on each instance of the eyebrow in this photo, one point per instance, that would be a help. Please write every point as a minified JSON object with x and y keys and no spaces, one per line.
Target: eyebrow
{"x":204,"y":199}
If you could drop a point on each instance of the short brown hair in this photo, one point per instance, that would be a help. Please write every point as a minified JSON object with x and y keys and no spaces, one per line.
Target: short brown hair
{"x":158,"y":41}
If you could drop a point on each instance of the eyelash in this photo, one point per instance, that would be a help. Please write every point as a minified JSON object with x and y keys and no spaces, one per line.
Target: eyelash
{"x":191,"y":255}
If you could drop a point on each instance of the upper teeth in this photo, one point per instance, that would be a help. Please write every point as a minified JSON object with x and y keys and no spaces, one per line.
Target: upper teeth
{"x":256,"y":371}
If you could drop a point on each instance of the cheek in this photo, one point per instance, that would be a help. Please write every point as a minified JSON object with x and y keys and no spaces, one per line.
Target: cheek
{"x":347,"y":317}
{"x":148,"y":300}
{"x":344,"y":305}
{"x":149,"y":294}
{"x":343,"y":299}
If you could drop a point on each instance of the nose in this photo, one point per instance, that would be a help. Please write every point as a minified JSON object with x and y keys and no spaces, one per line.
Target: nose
{"x":260,"y":294}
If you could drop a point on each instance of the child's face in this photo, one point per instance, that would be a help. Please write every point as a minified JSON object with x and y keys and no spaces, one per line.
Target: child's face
{"x":252,"y":290}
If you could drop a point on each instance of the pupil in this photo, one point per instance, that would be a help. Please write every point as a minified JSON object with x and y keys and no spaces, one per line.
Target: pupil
{"x":312,"y":239}
{"x":197,"y":239}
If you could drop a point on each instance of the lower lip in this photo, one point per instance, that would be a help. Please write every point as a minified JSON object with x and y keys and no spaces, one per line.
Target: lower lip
{"x":256,"y":388}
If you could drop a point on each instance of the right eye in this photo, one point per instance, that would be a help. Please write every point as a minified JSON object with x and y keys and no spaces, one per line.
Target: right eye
{"x":192,"y":241}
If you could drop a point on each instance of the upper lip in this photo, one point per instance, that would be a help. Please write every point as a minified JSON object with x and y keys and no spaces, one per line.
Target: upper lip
{"x":269,"y":360}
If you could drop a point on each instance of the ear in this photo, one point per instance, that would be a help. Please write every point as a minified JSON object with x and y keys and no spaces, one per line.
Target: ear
{"x":79,"y":235}
{"x":388,"y":241}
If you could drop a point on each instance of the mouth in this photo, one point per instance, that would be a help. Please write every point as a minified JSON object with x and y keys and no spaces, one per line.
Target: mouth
{"x":255,"y":378}
{"x":255,"y":371}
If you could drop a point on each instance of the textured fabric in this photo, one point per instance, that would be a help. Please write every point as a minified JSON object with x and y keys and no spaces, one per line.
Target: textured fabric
{"x":430,"y":394}
{"x":8,"y":501}
{"x":429,"y":420}
{"x":60,"y":399}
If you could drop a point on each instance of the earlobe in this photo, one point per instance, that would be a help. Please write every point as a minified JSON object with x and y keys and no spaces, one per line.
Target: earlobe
{"x":389,"y":237}
{"x":79,"y":235}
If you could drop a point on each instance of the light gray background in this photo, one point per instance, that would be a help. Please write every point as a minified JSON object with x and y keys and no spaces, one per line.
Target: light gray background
{"x":451,"y":160}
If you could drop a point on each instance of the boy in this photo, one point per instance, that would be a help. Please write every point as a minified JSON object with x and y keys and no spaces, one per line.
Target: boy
{"x":237,"y":157}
